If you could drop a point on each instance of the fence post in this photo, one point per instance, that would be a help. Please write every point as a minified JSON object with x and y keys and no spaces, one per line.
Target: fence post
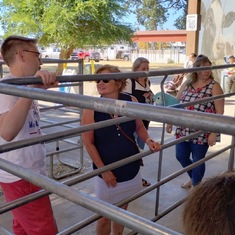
{"x":1,"y":70}
{"x":80,"y":66}
{"x":231,"y":155}
{"x":92,"y":66}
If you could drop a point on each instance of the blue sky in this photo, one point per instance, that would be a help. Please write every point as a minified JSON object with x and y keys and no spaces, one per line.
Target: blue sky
{"x":168,"y":25}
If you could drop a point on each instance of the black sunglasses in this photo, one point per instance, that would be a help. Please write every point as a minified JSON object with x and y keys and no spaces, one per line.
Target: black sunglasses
{"x":104,"y":81}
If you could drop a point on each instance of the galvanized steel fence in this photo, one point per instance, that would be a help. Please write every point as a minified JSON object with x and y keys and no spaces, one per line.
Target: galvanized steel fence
{"x":129,"y":111}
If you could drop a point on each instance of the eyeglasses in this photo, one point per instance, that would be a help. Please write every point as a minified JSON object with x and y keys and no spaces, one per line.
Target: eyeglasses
{"x":104,"y":81}
{"x":39,"y":55}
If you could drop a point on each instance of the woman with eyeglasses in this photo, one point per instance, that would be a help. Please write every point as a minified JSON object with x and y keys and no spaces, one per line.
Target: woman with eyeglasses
{"x":199,"y":85}
{"x":140,"y":88}
{"x":113,"y":143}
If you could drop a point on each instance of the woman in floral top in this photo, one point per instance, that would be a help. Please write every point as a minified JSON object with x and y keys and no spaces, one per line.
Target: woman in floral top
{"x":199,"y":85}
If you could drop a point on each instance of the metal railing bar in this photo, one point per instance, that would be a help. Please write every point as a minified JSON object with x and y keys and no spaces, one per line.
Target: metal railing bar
{"x":165,"y":212}
{"x":77,"y":168}
{"x":3,"y":231}
{"x":61,"y":134}
{"x":231,"y":155}
{"x":105,"y":209}
{"x":46,"y":108}
{"x":75,"y":180}
{"x":204,"y":100}
{"x":71,"y":142}
{"x":92,"y":77}
{"x":62,"y":151}
{"x":89,"y":175}
{"x":169,"y":209}
{"x":78,"y":179}
{"x":198,"y":120}
{"x":70,"y":84}
{"x":93,"y":218}
{"x":65,"y":108}
{"x":59,"y":107}
{"x":185,"y":169}
{"x":54,"y":123}
{"x":214,"y":97}
{"x":159,"y":169}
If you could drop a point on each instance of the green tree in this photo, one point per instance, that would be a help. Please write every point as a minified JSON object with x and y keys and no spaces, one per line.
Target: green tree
{"x":152,"y":14}
{"x":180,"y":22}
{"x":66,"y":23}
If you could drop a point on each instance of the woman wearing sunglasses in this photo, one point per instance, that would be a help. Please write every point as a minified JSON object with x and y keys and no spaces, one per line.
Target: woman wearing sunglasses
{"x":111,"y":144}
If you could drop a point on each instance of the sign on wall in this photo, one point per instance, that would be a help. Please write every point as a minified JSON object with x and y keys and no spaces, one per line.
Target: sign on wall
{"x":191,"y":22}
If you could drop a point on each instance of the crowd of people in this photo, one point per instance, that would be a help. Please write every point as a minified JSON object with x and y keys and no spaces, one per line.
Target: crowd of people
{"x":106,"y":145}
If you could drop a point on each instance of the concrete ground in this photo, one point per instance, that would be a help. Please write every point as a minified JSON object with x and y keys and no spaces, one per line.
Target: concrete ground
{"x":68,"y":214}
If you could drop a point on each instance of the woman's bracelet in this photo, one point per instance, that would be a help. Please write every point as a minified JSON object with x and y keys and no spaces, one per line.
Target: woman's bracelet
{"x":148,"y":140}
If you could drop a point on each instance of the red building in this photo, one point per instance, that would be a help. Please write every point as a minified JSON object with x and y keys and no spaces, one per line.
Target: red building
{"x":160,"y":36}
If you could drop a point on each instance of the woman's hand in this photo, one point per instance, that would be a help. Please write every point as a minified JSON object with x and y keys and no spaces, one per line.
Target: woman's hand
{"x":109,"y":178}
{"x":154,"y":146}
{"x":212,"y":139}
{"x":169,"y":128}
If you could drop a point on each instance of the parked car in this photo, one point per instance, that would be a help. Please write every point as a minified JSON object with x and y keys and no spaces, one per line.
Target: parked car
{"x":95,"y":56}
{"x":80,"y":54}
{"x":126,"y":55}
{"x":50,"y":53}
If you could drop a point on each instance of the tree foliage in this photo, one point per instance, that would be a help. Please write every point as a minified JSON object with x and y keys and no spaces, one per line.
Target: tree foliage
{"x":152,"y":14}
{"x":66,"y":23}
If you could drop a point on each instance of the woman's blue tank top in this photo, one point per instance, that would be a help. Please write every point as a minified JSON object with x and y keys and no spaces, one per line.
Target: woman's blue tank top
{"x":112,"y":145}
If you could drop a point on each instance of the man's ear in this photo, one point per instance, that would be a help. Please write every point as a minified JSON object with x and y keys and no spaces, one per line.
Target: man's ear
{"x":20,"y":54}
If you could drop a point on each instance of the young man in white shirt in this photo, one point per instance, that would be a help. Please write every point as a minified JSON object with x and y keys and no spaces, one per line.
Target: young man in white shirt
{"x":19,"y":119}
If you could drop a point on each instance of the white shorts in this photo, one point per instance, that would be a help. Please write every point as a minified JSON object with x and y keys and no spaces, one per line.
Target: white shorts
{"x":121,"y":191}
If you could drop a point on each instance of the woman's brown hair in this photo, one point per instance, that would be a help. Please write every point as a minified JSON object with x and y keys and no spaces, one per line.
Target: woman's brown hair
{"x":200,"y":61}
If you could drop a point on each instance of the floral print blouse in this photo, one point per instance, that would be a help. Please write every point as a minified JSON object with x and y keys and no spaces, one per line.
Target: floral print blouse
{"x":191,"y":94}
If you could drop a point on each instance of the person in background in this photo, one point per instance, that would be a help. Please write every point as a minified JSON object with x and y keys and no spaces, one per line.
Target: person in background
{"x":113,"y":143}
{"x":172,"y":87}
{"x":191,"y":59}
{"x":199,"y":85}
{"x":188,"y":64}
{"x":140,"y":89}
{"x":210,"y":207}
{"x":230,"y":80}
{"x":19,"y":120}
